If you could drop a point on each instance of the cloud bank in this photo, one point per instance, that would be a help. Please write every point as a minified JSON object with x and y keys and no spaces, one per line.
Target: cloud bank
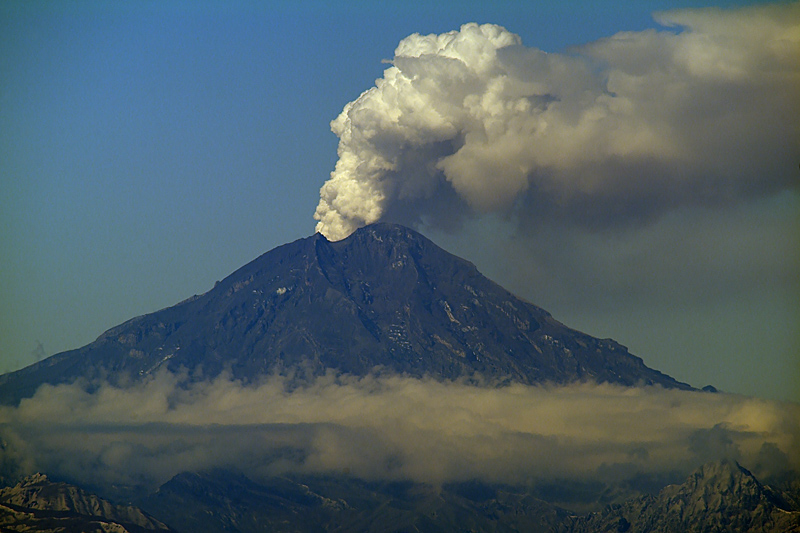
{"x":388,"y":428}
{"x":615,"y":132}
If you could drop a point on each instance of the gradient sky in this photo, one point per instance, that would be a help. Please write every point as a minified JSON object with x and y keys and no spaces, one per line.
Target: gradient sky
{"x":148,"y":149}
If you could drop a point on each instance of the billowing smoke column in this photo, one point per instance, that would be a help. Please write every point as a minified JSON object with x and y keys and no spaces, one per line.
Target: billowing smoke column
{"x":618,"y":130}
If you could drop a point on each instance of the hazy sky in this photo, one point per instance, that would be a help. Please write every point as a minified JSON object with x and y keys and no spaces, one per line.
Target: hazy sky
{"x":148,"y":149}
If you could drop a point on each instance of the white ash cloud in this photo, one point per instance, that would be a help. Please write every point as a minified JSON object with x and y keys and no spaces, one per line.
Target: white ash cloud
{"x":618,"y":130}
{"x":388,"y":428}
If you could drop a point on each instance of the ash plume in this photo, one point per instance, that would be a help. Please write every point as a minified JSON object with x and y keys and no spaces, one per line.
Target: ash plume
{"x":617,"y":131}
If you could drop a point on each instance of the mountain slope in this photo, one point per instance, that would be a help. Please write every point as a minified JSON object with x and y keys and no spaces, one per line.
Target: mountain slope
{"x":719,"y":497}
{"x":221,"y":501}
{"x":38,"y":504}
{"x":384,"y":297}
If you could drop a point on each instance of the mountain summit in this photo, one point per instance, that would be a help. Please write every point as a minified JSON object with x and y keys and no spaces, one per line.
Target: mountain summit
{"x":718,"y":497}
{"x":385,"y":298}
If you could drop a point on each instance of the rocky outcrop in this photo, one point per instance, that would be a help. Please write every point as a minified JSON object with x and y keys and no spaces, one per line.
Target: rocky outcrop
{"x":720,"y":497}
{"x":38,"y":504}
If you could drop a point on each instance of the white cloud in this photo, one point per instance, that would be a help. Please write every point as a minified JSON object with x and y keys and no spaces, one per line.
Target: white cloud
{"x":623,"y":128}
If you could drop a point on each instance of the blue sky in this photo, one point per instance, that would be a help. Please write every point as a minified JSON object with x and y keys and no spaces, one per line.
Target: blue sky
{"x":148,"y":149}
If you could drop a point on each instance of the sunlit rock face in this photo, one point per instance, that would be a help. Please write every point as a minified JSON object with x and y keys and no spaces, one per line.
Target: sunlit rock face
{"x":719,"y":496}
{"x":384,"y":299}
{"x":38,"y":504}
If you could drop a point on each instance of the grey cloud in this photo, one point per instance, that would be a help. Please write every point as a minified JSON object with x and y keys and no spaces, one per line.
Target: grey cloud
{"x":387,"y":428}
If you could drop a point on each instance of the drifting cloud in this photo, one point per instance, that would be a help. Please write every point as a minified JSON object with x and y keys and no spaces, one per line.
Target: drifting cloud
{"x":617,"y":131}
{"x":388,"y":428}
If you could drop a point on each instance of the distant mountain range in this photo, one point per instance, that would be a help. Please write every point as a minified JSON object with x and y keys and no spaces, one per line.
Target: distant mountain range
{"x":719,"y":497}
{"x":384,"y":299}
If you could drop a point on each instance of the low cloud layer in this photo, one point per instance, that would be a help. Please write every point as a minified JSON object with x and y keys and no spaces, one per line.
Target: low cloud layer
{"x":615,"y":132}
{"x":389,"y":428}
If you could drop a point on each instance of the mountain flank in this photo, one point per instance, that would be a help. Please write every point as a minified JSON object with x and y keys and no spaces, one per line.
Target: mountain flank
{"x":716,"y":498}
{"x":221,"y":500}
{"x":719,"y":497}
{"x":386,"y":298}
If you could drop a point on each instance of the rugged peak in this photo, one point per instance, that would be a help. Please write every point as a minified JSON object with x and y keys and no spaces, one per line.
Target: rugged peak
{"x":722,"y":480}
{"x":387,"y":233}
{"x":381,"y":230}
{"x":718,"y":496}
{"x":36,"y":494}
{"x":722,"y":471}
{"x":33,"y":479}
{"x":721,"y":485}
{"x":386,"y":240}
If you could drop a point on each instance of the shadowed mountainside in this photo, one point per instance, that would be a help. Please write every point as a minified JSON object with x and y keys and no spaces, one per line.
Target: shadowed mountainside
{"x":224,"y":501}
{"x":384,"y":298}
{"x":718,"y":497}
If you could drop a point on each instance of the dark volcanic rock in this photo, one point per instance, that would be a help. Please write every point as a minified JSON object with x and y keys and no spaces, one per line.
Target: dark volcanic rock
{"x":719,"y":497}
{"x":385,"y":297}
{"x":224,"y":501}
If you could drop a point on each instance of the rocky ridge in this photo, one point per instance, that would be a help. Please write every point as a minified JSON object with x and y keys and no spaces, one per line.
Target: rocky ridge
{"x":719,"y":497}
{"x":39,"y":504}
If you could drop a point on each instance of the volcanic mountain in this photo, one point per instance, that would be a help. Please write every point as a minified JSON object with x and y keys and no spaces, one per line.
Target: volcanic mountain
{"x":385,"y":299}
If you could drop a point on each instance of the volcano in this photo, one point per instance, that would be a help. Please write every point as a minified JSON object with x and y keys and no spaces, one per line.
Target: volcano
{"x":383,"y":300}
